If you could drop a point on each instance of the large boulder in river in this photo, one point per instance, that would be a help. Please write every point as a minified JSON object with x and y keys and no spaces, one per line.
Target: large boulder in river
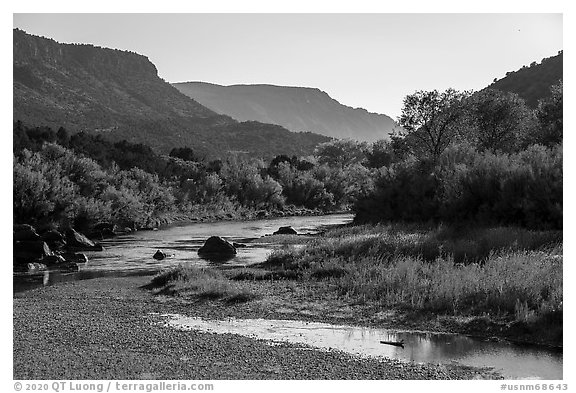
{"x":25,"y":232}
{"x":159,"y":255}
{"x":286,"y":231}
{"x":78,"y":242}
{"x":216,"y":247}
{"x":32,"y":250}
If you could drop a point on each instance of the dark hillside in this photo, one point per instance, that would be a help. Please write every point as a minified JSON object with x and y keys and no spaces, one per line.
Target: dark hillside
{"x":532,"y":83}
{"x":119,"y":95}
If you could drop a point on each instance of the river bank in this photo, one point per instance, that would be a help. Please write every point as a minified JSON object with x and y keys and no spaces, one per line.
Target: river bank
{"x":103,"y":329}
{"x":232,"y":290}
{"x":169,"y":219}
{"x":494,"y":283}
{"x":319,"y":301}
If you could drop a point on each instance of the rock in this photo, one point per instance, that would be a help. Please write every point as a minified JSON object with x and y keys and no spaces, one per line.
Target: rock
{"x":217,"y":246}
{"x":53,"y":260}
{"x":25,"y":232}
{"x":30,"y":267}
{"x":159,"y":255}
{"x":59,"y":262}
{"x":78,"y":242}
{"x":54,"y":239}
{"x":67,"y":266}
{"x":26,"y":251}
{"x":104,"y":229}
{"x":285,"y":231}
{"x":74,"y":257}
{"x":76,"y":239}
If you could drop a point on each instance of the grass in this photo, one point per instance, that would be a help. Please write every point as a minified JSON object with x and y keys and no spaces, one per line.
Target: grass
{"x":487,"y":276}
{"x":505,"y":272}
{"x":464,"y":245}
{"x":200,"y":283}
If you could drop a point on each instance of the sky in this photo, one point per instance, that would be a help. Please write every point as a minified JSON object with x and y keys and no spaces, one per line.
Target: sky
{"x":362,"y":60}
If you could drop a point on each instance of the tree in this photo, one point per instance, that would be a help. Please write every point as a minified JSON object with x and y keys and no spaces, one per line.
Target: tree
{"x":549,"y":114}
{"x":340,"y":152}
{"x":498,"y":121}
{"x":62,"y":137}
{"x":380,"y":154}
{"x":431,"y":121}
{"x":185,"y":153}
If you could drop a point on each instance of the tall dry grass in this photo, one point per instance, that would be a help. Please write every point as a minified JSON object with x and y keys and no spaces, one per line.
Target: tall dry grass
{"x":499,"y":271}
{"x":201,"y":283}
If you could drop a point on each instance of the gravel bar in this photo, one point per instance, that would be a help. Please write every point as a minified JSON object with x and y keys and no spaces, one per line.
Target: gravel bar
{"x":103,"y":329}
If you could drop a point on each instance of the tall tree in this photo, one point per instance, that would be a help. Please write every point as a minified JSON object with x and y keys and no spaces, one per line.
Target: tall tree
{"x":431,"y":121}
{"x":549,"y":113}
{"x":340,"y":152}
{"x":498,"y":121}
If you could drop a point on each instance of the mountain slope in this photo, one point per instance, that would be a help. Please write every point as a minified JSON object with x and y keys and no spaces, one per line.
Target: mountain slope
{"x":296,"y":108}
{"x":533,"y":83}
{"x":119,"y":94}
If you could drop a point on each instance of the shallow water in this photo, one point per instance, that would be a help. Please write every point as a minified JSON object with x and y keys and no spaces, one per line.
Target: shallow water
{"x":132,"y":254}
{"x":512,"y":361}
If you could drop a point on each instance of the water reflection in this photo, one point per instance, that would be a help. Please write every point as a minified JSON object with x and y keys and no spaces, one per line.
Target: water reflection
{"x":133,"y":253}
{"x":512,"y":361}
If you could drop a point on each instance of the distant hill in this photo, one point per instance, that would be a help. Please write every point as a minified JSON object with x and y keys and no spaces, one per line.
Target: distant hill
{"x":118,"y":94}
{"x":296,"y":108}
{"x":533,"y":82}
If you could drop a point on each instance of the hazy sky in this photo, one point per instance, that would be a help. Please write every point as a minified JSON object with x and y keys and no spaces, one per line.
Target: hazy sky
{"x":362,"y":60}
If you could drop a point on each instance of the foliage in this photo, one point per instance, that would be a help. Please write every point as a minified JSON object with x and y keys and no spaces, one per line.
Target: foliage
{"x":549,"y":113}
{"x":340,"y":152}
{"x":431,"y":120}
{"x":465,"y":185}
{"x":498,"y":121}
{"x":426,"y":174}
{"x":185,"y":153}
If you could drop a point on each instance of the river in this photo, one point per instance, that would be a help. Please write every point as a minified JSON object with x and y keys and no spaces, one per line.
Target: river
{"x":132,"y":255}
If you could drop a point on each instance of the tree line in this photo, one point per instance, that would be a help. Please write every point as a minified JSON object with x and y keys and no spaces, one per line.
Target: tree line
{"x":460,"y":156}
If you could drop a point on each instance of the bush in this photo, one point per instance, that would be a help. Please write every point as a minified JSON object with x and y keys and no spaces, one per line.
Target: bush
{"x":467,"y":186}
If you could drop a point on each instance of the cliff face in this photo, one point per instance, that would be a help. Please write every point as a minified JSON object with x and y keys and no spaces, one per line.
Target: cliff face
{"x":296,"y":108}
{"x":119,"y":94}
{"x":32,"y":49}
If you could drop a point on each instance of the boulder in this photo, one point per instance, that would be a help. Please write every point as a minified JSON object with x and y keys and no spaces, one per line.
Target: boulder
{"x":25,"y":232}
{"x":104,"y":229}
{"x":74,"y":257}
{"x":76,"y":239}
{"x":54,"y":239}
{"x":31,"y":267}
{"x":78,"y":242}
{"x":33,"y":250}
{"x":217,"y":246}
{"x":285,"y":231}
{"x":51,"y":260}
{"x":159,"y":255}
